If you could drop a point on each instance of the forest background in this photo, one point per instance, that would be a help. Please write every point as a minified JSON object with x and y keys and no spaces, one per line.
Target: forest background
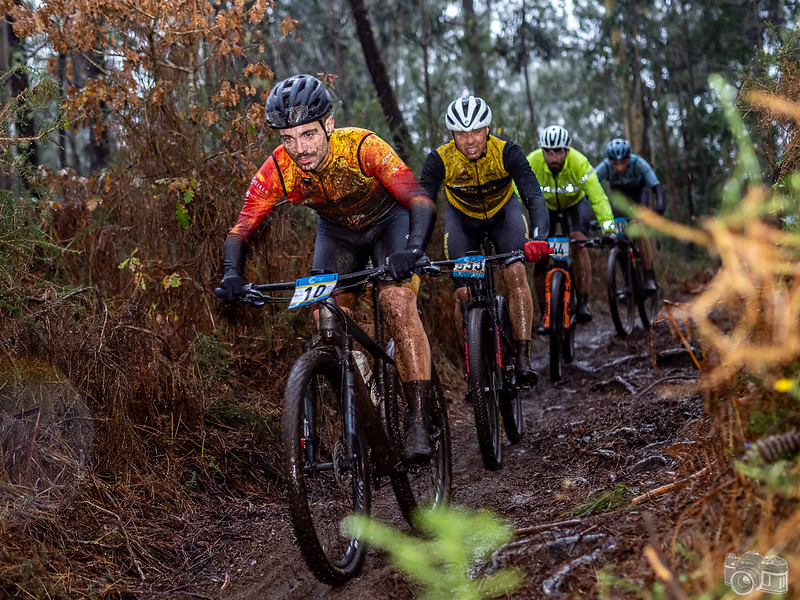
{"x":129,"y":132}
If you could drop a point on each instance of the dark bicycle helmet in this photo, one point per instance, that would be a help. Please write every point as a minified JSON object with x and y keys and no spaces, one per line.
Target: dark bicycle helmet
{"x":297,"y":100}
{"x":468,"y":113}
{"x":618,"y":149}
{"x":554,"y":136}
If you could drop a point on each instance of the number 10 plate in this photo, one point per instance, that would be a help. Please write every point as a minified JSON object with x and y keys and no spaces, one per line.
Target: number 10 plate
{"x":313,"y":289}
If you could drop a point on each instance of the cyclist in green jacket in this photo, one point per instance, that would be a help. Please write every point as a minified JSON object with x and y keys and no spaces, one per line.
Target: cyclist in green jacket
{"x":569,"y":184}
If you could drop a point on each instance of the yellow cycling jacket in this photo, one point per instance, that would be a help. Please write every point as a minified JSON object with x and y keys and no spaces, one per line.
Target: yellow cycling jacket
{"x":480,"y":188}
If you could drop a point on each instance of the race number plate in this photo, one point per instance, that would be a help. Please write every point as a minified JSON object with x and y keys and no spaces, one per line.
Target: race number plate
{"x":560,"y":247}
{"x":621,"y":225}
{"x":470,"y":266}
{"x":313,"y":289}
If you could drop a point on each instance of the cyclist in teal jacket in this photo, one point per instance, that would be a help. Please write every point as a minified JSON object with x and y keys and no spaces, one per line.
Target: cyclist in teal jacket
{"x":633,"y":176}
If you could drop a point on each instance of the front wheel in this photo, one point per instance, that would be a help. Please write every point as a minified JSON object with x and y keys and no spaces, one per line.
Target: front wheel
{"x":510,"y":398}
{"x":426,"y":485}
{"x":557,"y":330}
{"x":484,"y":385}
{"x":325,"y":468}
{"x":620,"y":290}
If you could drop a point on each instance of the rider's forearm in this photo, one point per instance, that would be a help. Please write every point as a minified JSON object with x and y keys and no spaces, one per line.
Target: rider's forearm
{"x":658,"y":198}
{"x":234,"y":253}
{"x":422,"y":217}
{"x":540,"y":219}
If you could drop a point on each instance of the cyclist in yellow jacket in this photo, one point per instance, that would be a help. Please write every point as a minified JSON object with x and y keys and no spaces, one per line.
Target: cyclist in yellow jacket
{"x":479,"y":170}
{"x":569,"y":184}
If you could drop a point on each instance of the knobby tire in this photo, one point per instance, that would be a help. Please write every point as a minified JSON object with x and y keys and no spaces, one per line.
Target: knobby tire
{"x":427,"y":485}
{"x":325,"y":487}
{"x":511,"y":399}
{"x":557,"y":285}
{"x":484,"y":386}
{"x":620,"y":290}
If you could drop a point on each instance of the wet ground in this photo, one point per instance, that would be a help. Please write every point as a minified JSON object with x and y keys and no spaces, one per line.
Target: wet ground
{"x":613,"y":429}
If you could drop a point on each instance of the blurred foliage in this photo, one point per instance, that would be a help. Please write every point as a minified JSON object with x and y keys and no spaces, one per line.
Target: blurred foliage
{"x":455,"y":542}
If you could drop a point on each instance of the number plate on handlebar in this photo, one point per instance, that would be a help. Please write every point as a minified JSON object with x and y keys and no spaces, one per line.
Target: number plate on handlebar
{"x":313,"y":289}
{"x":470,"y":266}
{"x":621,"y":225}
{"x":560,"y":247}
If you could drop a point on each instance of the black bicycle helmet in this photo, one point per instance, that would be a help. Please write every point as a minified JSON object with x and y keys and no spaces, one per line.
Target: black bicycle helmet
{"x":618,"y":149}
{"x":297,"y":100}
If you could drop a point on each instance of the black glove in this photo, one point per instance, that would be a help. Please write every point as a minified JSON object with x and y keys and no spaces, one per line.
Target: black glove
{"x":232,"y":286}
{"x":402,"y":263}
{"x":233,"y":257}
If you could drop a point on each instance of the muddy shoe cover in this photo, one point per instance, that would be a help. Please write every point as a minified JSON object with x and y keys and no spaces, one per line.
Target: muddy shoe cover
{"x":417,"y":448}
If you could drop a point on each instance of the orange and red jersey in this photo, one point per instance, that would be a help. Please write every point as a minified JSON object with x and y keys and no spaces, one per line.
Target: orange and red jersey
{"x":359,"y":182}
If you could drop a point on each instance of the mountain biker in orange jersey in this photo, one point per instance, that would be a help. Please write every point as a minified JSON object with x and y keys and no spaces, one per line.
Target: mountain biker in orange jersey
{"x":370,"y":205}
{"x":569,"y":183}
{"x":633,"y":176}
{"x":479,"y":170}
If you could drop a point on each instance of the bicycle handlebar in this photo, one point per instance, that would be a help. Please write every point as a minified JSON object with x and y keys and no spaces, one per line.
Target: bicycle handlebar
{"x":257,"y":294}
{"x":508,"y":257}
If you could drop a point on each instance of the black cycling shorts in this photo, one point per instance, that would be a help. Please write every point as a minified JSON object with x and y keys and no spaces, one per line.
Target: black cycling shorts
{"x":338,"y":249}
{"x":577,"y":217}
{"x":507,"y":228}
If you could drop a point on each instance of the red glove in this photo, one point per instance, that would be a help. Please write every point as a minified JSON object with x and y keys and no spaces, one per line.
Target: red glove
{"x":536,"y":250}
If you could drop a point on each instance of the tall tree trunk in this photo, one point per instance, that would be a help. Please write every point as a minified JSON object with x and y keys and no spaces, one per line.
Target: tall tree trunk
{"x":341,"y":63}
{"x":61,"y":62}
{"x":25,"y":121}
{"x":696,"y":148}
{"x":380,"y":79}
{"x":5,"y":97}
{"x":525,"y":72}
{"x":99,"y":142}
{"x":426,"y":74}
{"x":473,"y":43}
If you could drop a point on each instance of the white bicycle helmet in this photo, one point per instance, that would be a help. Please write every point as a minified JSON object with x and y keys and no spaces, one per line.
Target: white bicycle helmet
{"x":554,"y":136}
{"x":468,"y":113}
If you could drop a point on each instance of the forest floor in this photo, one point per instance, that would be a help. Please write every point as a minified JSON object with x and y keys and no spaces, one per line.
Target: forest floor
{"x":625,"y":420}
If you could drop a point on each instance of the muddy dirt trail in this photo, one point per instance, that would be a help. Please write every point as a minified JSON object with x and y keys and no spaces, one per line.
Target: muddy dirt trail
{"x":605,"y":434}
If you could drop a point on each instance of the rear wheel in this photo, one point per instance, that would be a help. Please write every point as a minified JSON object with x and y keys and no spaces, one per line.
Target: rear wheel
{"x":557,"y":285}
{"x":620,"y":290}
{"x":484,"y":385}
{"x":569,"y":332}
{"x":510,"y":398}
{"x":325,"y":467}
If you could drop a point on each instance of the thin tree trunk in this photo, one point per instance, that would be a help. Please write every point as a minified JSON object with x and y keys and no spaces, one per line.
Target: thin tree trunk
{"x":473,"y":50}
{"x":380,"y":79}
{"x":341,"y":63}
{"x":426,"y":74}
{"x":525,"y":71}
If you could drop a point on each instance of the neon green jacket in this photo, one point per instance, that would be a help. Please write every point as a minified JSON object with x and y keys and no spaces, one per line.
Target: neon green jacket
{"x":575,"y":181}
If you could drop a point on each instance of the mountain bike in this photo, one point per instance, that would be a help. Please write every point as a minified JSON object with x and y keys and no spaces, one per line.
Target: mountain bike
{"x":561,"y":301}
{"x":624,"y":279}
{"x":341,"y":427}
{"x":490,"y":353}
